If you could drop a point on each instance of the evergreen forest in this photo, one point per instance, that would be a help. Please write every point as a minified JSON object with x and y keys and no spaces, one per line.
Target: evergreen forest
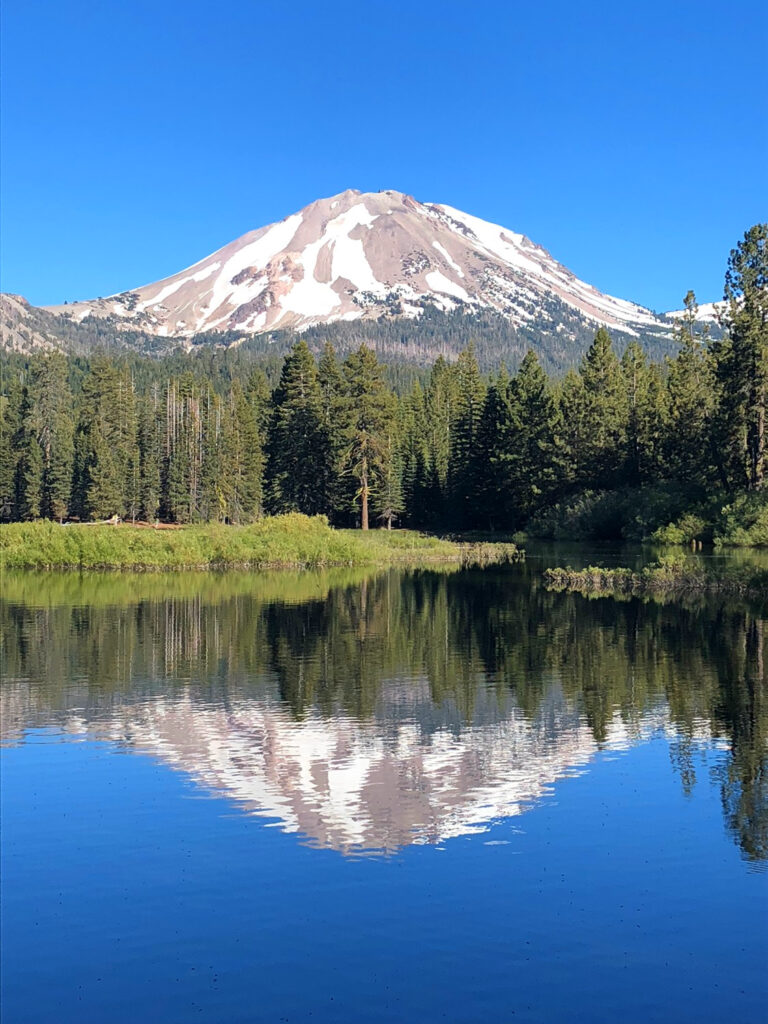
{"x":622,"y":446}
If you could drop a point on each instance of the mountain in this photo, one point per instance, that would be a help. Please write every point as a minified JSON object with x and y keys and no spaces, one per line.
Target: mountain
{"x":356,"y":262}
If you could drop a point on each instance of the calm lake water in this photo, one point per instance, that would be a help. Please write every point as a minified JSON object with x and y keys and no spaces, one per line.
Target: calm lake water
{"x":354,"y":796}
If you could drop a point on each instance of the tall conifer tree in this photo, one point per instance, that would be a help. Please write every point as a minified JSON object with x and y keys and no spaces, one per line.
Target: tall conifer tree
{"x":29,"y":465}
{"x":243,"y":460}
{"x":530,"y":455}
{"x":298,"y":440}
{"x":10,"y":418}
{"x":742,"y":359}
{"x":603,"y":414}
{"x":370,"y":412}
{"x":491,"y":506}
{"x":690,"y":400}
{"x":469,"y":409}
{"x":51,"y":420}
{"x":338,"y":496}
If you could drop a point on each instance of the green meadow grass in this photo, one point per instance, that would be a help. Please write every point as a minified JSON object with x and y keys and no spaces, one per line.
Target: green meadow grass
{"x":290,"y":541}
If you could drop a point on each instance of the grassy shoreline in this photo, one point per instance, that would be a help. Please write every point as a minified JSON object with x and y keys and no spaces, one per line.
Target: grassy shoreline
{"x":292,"y":541}
{"x":673,"y":578}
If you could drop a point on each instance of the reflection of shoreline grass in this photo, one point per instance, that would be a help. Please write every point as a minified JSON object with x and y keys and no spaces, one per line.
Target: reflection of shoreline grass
{"x":51,"y":588}
{"x":674,"y":577}
{"x":292,"y":541}
{"x":44,"y":588}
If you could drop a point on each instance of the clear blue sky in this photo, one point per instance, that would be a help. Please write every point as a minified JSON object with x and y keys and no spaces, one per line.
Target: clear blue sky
{"x":628,"y":139}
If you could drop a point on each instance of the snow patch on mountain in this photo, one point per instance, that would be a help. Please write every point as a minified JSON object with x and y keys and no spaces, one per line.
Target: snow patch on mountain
{"x":174,"y":286}
{"x":447,"y":257}
{"x":439,"y":283}
{"x":367,"y":255}
{"x":708,"y":312}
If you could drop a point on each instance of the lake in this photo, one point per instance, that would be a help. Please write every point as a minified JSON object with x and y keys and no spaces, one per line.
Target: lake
{"x":365,"y":796}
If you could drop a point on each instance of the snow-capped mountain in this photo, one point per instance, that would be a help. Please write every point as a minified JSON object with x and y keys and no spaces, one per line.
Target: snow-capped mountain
{"x":362,"y":256}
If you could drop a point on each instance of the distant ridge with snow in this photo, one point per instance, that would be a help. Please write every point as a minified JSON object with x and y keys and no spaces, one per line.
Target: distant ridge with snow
{"x":358,"y":258}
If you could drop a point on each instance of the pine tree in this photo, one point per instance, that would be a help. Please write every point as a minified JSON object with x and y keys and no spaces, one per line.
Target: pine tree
{"x":242,"y":459}
{"x":370,"y":412}
{"x":471,"y":398}
{"x":52,"y":419}
{"x":690,"y":400}
{"x":10,"y":413}
{"x":529,"y":460}
{"x":742,"y":359}
{"x":44,"y":436}
{"x":150,"y":457}
{"x":491,"y":504}
{"x":387,"y":497}
{"x":103,"y":496}
{"x":258,"y":393}
{"x":298,"y":441}
{"x":441,"y":411}
{"x":571,"y":402}
{"x":213,"y":502}
{"x":183,"y":451}
{"x":29,"y":467}
{"x":338,"y":496}
{"x":127,"y":448}
{"x":645,"y":400}
{"x":99,"y":492}
{"x":414,"y":454}
{"x":602,"y":414}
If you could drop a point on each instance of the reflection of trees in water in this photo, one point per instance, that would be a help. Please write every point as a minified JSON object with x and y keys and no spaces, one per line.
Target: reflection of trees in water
{"x":332,"y":641}
{"x":744,"y":777}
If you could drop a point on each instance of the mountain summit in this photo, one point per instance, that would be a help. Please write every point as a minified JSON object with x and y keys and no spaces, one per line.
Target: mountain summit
{"x":368,"y":256}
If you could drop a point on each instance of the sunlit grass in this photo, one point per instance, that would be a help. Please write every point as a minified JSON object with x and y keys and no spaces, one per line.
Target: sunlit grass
{"x":294,"y":540}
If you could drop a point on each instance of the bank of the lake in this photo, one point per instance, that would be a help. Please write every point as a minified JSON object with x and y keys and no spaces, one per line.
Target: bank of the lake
{"x":289,"y":541}
{"x":676,"y":576}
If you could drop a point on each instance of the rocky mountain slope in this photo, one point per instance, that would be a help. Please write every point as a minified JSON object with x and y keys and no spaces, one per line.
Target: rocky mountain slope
{"x":357,"y":259}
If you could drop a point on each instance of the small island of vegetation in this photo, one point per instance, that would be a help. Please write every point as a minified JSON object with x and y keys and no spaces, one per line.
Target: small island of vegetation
{"x":670,"y":576}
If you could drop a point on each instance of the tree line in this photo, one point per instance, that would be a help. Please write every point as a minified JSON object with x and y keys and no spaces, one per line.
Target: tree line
{"x":88,"y":439}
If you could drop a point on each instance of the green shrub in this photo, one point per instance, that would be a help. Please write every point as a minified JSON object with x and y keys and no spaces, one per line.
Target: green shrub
{"x":631,"y":514}
{"x":744,"y":522}
{"x":687,"y":528}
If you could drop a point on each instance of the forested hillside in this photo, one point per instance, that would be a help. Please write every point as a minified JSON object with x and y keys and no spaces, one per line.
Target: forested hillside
{"x":620,"y":447}
{"x":559,"y":342}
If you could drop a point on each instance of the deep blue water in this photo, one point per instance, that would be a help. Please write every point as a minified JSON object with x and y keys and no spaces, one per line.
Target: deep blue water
{"x":414,"y":797}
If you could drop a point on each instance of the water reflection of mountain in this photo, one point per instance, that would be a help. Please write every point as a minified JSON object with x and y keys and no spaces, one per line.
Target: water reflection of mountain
{"x":345,"y":782}
{"x":371,"y":712}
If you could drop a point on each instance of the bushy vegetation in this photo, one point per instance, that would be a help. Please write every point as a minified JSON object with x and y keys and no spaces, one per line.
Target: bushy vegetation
{"x":744,"y":522}
{"x":290,"y":540}
{"x":667,"y":575}
{"x":726,"y":521}
{"x":628,"y":513}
